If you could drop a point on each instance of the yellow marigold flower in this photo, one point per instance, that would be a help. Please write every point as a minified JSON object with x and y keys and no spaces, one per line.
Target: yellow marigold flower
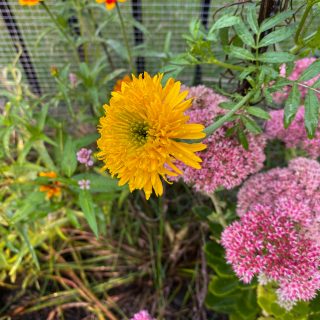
{"x":29,"y":2}
{"x":53,"y":189}
{"x":142,"y":130}
{"x":125,"y":79}
{"x":110,"y":4}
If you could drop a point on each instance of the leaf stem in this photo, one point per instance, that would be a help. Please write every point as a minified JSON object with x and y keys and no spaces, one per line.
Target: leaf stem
{"x":216,"y":125}
{"x":303,"y":21}
{"x":225,"y":65}
{"x":65,"y":35}
{"x":125,"y":38}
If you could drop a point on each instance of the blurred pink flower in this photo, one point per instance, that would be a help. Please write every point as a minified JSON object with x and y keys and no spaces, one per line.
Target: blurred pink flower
{"x":84,"y":157}
{"x":299,"y":67}
{"x":225,"y":163}
{"x":142,"y":315}
{"x":295,"y":136}
{"x":269,"y":243}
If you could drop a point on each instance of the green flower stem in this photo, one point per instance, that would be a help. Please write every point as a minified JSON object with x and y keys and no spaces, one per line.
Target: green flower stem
{"x":65,"y":35}
{"x":216,"y":125}
{"x":125,"y":38}
{"x":225,"y":65}
{"x":310,"y":4}
{"x":216,"y":202}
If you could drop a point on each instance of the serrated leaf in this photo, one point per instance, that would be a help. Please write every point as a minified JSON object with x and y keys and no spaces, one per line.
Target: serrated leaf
{"x":243,"y":139}
{"x":241,"y":53}
{"x":251,"y":125}
{"x":244,"y":34}
{"x":259,"y":113}
{"x":275,"y":20}
{"x":291,"y":105}
{"x":276,"y":36}
{"x":311,"y":114}
{"x":312,"y":71}
{"x":252,"y":18}
{"x":224,"y":22}
{"x":69,"y":159}
{"x":86,"y":204}
{"x":276,"y":57}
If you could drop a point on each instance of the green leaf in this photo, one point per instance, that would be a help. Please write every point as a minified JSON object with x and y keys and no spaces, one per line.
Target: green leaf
{"x":291,"y":105}
{"x":241,"y":53}
{"x":226,"y":105}
{"x":252,"y":18}
{"x":259,"y":113}
{"x":222,"y":304}
{"x":242,"y":138}
{"x":244,"y":34}
{"x":202,"y":211}
{"x":276,"y":36}
{"x":251,"y":125}
{"x":69,"y":159}
{"x":275,"y":20}
{"x":25,"y":237}
{"x":222,"y":286}
{"x":312,"y":71}
{"x":276,"y":57}
{"x":247,"y":306}
{"x":223,"y":22}
{"x":311,"y":115}
{"x":85,"y":140}
{"x":86,"y":204}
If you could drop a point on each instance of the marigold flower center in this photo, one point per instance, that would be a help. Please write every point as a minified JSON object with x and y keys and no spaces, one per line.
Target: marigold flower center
{"x":139,"y":132}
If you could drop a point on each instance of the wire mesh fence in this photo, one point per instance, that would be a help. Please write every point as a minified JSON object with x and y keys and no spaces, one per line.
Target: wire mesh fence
{"x":30,"y":31}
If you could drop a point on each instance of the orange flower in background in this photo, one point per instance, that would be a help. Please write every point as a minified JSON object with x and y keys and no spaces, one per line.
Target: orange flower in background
{"x":29,"y":2}
{"x":49,"y":174}
{"x":54,"y":188}
{"x":110,"y":4}
{"x":125,"y":79}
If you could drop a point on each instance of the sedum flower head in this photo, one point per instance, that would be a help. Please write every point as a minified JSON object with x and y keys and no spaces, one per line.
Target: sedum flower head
{"x":267,"y":242}
{"x":142,"y":130}
{"x":225,"y":163}
{"x":110,"y":4}
{"x":142,"y":315}
{"x":295,"y":136}
{"x":28,"y":2}
{"x":297,"y":186}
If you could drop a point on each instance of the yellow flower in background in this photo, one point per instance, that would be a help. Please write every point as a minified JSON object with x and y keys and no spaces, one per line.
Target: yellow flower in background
{"x":110,"y":4}
{"x":54,"y":188}
{"x":29,"y":2}
{"x":125,"y":79}
{"x":140,"y":133}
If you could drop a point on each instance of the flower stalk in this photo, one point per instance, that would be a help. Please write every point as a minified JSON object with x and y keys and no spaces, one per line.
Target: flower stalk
{"x":125,"y":38}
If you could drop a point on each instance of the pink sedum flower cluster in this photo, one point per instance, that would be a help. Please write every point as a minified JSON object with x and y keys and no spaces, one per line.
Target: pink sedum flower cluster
{"x":142,"y":315}
{"x":225,"y":163}
{"x":296,"y":187}
{"x":299,"y":67}
{"x":295,"y":136}
{"x":269,"y":243}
